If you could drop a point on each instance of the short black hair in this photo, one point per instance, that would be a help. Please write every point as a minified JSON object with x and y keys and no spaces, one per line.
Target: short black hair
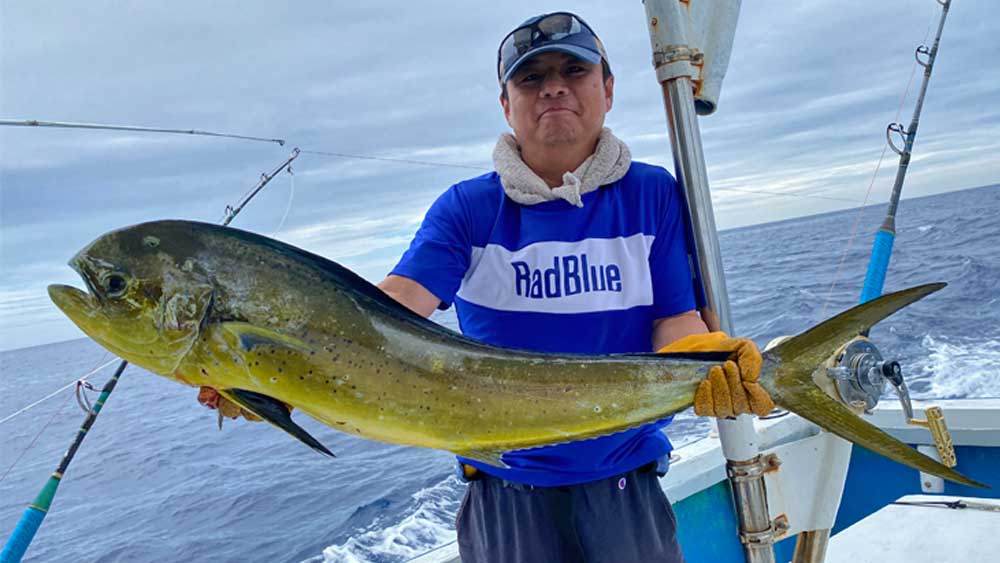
{"x":605,"y":75}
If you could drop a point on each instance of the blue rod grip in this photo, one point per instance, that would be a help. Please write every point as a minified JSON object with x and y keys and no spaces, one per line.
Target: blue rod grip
{"x":877,"y":266}
{"x":20,"y":539}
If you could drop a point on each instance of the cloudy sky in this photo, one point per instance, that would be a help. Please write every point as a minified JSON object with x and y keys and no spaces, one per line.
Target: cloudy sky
{"x":810,"y":88}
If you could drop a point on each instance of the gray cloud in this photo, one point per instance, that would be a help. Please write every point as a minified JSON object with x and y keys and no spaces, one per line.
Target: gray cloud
{"x":810,"y":89}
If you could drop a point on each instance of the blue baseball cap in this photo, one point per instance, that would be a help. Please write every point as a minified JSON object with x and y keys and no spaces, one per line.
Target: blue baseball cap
{"x":563,"y":32}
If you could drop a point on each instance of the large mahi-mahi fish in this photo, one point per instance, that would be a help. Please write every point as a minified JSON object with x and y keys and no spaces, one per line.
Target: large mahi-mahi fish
{"x":272,"y":326}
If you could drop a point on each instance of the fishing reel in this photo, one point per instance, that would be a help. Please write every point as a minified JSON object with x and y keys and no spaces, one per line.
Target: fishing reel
{"x":861,"y":375}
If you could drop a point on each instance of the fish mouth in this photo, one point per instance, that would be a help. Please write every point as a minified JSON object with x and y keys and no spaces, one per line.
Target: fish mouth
{"x":85,"y":311}
{"x":75,"y":304}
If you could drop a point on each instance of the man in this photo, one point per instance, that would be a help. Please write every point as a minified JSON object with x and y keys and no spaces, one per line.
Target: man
{"x":569,"y":246}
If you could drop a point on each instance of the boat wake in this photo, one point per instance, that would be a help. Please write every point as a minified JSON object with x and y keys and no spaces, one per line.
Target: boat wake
{"x":959,"y":368}
{"x":428,"y":522}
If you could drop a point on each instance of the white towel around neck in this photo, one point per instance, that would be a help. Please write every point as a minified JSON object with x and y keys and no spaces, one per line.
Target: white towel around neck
{"x":610,"y":161}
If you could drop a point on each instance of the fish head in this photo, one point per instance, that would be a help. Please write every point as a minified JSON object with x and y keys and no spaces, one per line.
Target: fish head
{"x":146,"y":299}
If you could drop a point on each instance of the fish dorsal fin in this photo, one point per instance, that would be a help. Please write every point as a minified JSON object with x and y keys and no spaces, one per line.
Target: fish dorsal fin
{"x":342,"y":276}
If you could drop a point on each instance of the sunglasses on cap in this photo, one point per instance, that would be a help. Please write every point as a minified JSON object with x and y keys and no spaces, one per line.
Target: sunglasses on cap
{"x":561,"y":31}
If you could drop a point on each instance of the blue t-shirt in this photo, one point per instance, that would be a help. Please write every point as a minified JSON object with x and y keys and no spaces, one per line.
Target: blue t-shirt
{"x":553,"y":277}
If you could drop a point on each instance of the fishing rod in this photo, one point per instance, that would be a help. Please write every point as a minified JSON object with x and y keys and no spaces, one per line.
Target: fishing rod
{"x":882,"y":249}
{"x":70,"y":125}
{"x":37,"y":123}
{"x":31,"y":520}
{"x":232,"y":212}
{"x":811,"y":544}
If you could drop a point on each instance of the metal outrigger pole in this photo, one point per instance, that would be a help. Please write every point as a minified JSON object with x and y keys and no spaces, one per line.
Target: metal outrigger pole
{"x":684,"y":58}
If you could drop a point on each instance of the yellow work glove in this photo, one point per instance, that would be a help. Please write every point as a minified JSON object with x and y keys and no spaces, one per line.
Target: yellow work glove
{"x":730,"y":389}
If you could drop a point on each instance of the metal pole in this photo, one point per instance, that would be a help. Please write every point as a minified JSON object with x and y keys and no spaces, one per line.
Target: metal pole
{"x":739,"y":439}
{"x":689,"y":162}
{"x":810,"y":547}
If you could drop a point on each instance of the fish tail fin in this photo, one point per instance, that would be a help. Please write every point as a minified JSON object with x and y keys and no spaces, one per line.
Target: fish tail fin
{"x":814,"y":346}
{"x":790,"y":381}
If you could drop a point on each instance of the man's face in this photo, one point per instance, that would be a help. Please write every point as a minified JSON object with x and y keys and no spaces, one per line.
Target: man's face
{"x":557,"y":99}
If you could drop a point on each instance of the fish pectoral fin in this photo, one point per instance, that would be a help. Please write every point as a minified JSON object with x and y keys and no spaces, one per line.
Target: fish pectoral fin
{"x":487,"y":456}
{"x":251,"y":337}
{"x":265,"y":353}
{"x":275,"y":412}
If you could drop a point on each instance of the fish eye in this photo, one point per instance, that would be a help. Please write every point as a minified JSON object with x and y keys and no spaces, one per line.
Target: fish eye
{"x":115,"y":285}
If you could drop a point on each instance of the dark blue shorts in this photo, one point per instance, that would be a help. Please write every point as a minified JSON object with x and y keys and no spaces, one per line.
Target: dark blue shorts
{"x":621,"y":519}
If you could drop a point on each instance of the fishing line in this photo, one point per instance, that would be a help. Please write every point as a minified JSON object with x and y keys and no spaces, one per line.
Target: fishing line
{"x":871,"y":184}
{"x":485,"y":169}
{"x":786,"y":194}
{"x":398,"y":160}
{"x":230,"y":213}
{"x":57,"y":391}
{"x":40,"y":432}
{"x":35,"y":513}
{"x":291,"y":196}
{"x":102,"y":126}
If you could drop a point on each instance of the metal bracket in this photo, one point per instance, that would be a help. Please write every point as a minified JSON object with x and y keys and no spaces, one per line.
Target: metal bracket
{"x":923,"y":50}
{"x":895,"y":128}
{"x":744,"y":472}
{"x":777,"y":528}
{"x":758,"y":538}
{"x":780,"y":525}
{"x":676,"y":53}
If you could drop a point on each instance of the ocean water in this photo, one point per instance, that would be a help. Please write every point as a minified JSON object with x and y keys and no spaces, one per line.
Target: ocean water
{"x":156,"y":481}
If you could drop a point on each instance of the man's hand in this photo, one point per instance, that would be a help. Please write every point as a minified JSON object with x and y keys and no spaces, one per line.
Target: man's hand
{"x":730,"y":389}
{"x":228,"y":409}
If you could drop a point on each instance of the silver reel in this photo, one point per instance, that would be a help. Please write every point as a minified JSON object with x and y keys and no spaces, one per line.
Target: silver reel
{"x":861,"y":375}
